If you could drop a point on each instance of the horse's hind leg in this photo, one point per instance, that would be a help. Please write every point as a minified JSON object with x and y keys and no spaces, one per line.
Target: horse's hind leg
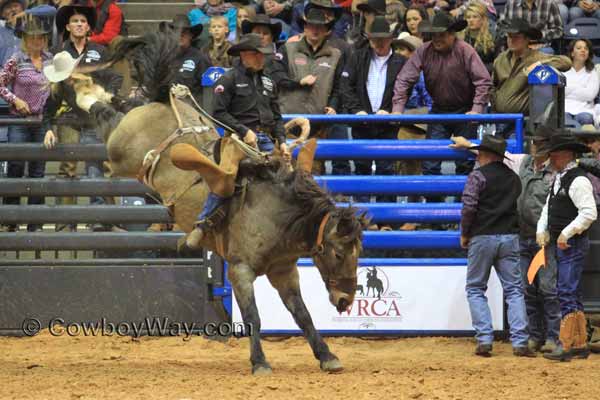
{"x":287,"y":283}
{"x":242,"y":279}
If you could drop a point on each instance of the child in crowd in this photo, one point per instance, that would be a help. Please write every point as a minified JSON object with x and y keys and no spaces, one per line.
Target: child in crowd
{"x":216,"y":50}
{"x":207,"y":9}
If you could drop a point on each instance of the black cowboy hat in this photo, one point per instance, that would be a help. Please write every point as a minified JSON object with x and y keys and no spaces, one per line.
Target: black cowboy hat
{"x":264,"y":20}
{"x":249,"y":42}
{"x":374,"y":6}
{"x":566,"y":141}
{"x":380,"y":28}
{"x":519,"y":25}
{"x":492,"y":144}
{"x":442,"y":22}
{"x":181,"y":22}
{"x":316,"y":16}
{"x":66,"y":12}
{"x":326,"y":5}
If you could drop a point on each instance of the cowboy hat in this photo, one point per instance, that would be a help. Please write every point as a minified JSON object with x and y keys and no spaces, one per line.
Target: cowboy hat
{"x":407,"y":40}
{"x":181,"y":22}
{"x":315,"y":16}
{"x":31,"y":25}
{"x":62,"y":67}
{"x":442,"y":22}
{"x":249,"y":42}
{"x":325,"y":5}
{"x":519,"y":25}
{"x":380,"y":28}
{"x":373,"y":6}
{"x":492,"y":144}
{"x":566,"y":141}
{"x":66,"y":12}
{"x":262,"y":20}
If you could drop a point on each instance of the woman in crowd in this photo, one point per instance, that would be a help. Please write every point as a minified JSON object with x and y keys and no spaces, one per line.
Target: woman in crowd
{"x":24,"y":86}
{"x":478,"y":34}
{"x":244,"y":13}
{"x":583,"y":83}
{"x":413,"y":17}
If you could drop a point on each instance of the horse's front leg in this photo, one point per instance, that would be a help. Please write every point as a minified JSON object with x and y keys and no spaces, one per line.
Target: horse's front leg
{"x":287,"y":283}
{"x":242,"y":279}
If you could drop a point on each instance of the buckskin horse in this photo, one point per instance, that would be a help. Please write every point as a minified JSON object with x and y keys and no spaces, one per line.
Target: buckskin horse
{"x":280,"y":215}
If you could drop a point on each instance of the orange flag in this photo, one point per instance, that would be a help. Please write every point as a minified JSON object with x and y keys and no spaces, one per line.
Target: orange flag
{"x":538,"y":262}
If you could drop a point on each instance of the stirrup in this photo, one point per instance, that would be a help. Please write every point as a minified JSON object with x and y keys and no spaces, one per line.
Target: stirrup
{"x":213,"y":220}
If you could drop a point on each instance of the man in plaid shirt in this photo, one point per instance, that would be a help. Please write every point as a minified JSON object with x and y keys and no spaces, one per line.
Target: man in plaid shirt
{"x":543,"y":14}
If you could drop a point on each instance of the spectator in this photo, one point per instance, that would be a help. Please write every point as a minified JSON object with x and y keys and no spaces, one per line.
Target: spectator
{"x":412,"y":18}
{"x":510,"y":93}
{"x":191,"y":62}
{"x":372,"y":72}
{"x":489,"y":227}
{"x":569,"y":211}
{"x":394,"y":14}
{"x":205,"y":10}
{"x":419,"y":103}
{"x":343,"y":19}
{"x":109,"y":21}
{"x":277,"y":9}
{"x":367,"y":11}
{"x":585,"y":9}
{"x":9,"y":9}
{"x":542,"y":14}
{"x":488,"y":5}
{"x":478,"y":35}
{"x":455,"y":77}
{"x":25,"y":88}
{"x":314,"y":71}
{"x":583,"y":83}
{"x":74,"y":125}
{"x":268,"y":30}
{"x":216,"y":49}
{"x":243,"y":13}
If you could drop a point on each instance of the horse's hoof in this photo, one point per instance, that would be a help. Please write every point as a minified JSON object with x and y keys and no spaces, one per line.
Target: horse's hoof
{"x":332,"y":366}
{"x":261,"y":370}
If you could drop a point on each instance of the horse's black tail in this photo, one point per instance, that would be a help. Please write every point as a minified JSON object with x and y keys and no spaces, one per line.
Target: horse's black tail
{"x":153,"y":56}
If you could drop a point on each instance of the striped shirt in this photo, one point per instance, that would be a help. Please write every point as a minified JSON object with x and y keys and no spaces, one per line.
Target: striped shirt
{"x":21,"y":79}
{"x":543,"y":14}
{"x":376,"y":80}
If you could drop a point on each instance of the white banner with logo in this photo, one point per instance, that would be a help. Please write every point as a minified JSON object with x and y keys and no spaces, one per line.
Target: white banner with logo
{"x":420,"y":299}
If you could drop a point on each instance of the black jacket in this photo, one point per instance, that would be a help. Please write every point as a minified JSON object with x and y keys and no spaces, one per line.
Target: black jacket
{"x":357,"y":73}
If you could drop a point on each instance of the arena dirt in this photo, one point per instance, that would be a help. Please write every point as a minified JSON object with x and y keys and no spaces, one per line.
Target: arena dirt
{"x":78,"y":368}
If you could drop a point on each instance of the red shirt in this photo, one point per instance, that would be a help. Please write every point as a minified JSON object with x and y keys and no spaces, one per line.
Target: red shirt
{"x":112,"y":27}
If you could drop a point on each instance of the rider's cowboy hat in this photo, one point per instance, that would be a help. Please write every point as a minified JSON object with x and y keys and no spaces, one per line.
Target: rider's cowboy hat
{"x":262,"y":20}
{"x":492,"y":144}
{"x":62,"y":67}
{"x":181,"y":22}
{"x":442,"y":22}
{"x":249,"y":42}
{"x":519,"y":25}
{"x":66,"y":12}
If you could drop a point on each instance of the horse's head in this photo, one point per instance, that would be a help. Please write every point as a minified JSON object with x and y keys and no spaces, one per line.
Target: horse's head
{"x":338,"y":246}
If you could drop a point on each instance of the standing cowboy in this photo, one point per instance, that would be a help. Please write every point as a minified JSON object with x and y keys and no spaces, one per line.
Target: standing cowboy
{"x":569,"y":211}
{"x":245,"y":100}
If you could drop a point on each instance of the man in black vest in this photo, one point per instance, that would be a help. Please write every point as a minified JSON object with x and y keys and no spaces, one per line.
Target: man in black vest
{"x":489,"y":229}
{"x":569,"y":211}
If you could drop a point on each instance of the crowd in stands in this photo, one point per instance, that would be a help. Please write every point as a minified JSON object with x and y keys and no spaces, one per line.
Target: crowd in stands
{"x":329,"y":57}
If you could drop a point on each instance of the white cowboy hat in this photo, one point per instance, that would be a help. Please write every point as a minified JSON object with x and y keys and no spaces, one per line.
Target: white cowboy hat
{"x":62,"y":66}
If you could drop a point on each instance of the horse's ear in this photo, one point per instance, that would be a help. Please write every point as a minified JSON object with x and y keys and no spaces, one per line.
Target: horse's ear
{"x":365,"y":220}
{"x":306,"y":155}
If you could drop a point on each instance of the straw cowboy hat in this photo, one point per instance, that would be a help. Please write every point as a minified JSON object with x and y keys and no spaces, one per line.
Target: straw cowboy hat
{"x":408,"y":41}
{"x":442,"y":22}
{"x":62,"y":67}
{"x":249,"y":42}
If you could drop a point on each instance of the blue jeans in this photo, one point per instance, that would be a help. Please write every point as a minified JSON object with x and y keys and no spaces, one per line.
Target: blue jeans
{"x":541,"y":297}
{"x":16,"y":169}
{"x":264,"y":142}
{"x":93,"y":169}
{"x":570,"y":267}
{"x":502,"y":252}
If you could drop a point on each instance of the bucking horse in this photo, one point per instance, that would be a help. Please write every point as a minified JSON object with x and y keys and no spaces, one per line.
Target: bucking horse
{"x":276,"y":215}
